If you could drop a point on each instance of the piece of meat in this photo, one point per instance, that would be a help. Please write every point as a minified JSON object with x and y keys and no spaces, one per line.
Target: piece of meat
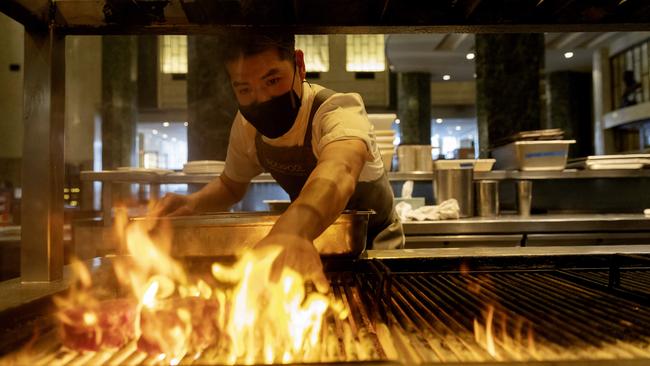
{"x":176,"y":326}
{"x":108,"y":324}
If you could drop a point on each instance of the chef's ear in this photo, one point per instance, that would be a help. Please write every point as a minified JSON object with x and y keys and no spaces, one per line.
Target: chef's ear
{"x":300,"y":64}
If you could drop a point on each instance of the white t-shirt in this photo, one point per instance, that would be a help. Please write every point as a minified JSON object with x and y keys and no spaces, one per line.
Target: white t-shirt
{"x":341,"y":117}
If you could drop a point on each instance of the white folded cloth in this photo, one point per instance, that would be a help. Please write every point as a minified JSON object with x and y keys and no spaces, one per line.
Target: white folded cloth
{"x":646,"y":212}
{"x":446,"y":210}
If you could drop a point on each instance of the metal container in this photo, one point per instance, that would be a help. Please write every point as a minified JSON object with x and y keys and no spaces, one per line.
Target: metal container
{"x":414,"y":158}
{"x":277,"y":205}
{"x":487,"y":198}
{"x":228,"y":234}
{"x":524,"y":197}
{"x":533,"y":155}
{"x":457,"y":184}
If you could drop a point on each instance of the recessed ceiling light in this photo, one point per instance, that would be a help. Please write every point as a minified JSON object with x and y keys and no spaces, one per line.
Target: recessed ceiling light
{"x":174,"y":139}
{"x":155,"y":132}
{"x":438,"y":120}
{"x":186,"y":124}
{"x":397,"y":121}
{"x":470,"y":56}
{"x":457,"y":128}
{"x":165,"y":124}
{"x":568,"y":54}
{"x":164,"y":135}
{"x":446,"y":77}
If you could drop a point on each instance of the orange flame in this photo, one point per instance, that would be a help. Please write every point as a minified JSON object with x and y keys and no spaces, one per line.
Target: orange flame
{"x":254,"y":319}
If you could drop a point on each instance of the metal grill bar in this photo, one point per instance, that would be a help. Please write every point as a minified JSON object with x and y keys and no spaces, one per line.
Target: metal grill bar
{"x":435,"y":318}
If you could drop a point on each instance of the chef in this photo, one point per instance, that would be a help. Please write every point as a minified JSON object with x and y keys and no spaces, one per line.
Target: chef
{"x":316,"y":143}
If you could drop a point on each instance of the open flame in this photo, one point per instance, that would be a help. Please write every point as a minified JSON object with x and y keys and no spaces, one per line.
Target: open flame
{"x":238,"y":311}
{"x":518,"y":343}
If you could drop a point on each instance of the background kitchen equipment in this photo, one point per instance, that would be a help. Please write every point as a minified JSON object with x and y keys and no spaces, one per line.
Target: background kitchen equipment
{"x":524,"y":197}
{"x":457,"y":184}
{"x":479,"y":165}
{"x":228,"y":234}
{"x":204,"y":167}
{"x":385,"y":143}
{"x":533,"y":155}
{"x":487,"y":198}
{"x":606,"y":162}
{"x":385,"y":136}
{"x":535,"y":135}
{"x":414,"y":158}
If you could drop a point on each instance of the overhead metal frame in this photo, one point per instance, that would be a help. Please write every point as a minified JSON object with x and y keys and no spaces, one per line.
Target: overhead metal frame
{"x":329,"y":16}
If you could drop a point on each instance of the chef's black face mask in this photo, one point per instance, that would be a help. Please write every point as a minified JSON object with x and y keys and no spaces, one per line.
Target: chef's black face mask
{"x":276,"y":116}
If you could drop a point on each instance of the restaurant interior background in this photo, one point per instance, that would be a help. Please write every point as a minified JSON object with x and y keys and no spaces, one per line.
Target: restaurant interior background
{"x":148,"y":101}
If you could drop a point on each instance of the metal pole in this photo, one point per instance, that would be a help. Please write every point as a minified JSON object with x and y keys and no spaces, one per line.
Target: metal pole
{"x":43,"y":161}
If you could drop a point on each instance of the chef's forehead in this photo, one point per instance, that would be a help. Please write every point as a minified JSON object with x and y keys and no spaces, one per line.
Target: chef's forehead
{"x":257,"y":66}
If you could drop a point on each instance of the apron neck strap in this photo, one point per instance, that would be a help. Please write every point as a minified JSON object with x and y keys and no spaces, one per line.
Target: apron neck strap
{"x":319,"y":99}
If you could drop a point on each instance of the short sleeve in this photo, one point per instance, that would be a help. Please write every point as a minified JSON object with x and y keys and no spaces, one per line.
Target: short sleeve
{"x":343,"y":117}
{"x":241,"y":159}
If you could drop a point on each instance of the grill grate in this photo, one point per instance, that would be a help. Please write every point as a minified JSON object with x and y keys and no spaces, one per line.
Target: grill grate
{"x":450,"y":317}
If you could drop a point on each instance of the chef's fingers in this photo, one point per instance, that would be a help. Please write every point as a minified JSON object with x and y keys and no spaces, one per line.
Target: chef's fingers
{"x":181,"y":211}
{"x":276,"y":269}
{"x":320,"y":281}
{"x":168,"y":204}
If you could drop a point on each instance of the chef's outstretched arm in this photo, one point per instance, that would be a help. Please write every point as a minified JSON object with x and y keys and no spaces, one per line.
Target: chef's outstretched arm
{"x":218,"y":195}
{"x":324,"y":196}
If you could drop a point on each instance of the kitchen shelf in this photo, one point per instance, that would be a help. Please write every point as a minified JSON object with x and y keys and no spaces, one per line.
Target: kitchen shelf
{"x":182,"y":178}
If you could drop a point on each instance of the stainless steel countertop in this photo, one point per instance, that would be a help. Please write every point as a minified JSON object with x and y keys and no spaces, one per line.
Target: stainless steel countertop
{"x":16,"y":293}
{"x":505,"y":251}
{"x":512,"y":224}
{"x":182,"y":178}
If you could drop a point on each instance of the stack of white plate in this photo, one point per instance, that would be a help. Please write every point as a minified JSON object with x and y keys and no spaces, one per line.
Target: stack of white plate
{"x":385,"y":142}
{"x":204,"y":167}
{"x":607,"y":162}
{"x":134,"y":169}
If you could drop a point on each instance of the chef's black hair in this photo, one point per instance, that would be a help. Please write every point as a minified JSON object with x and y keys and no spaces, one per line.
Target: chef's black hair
{"x":249,"y":44}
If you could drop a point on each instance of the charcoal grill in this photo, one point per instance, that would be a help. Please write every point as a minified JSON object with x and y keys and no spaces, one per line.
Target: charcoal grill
{"x":562,"y":309}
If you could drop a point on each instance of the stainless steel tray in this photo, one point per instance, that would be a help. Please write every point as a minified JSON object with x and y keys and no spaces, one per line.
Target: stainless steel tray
{"x":228,"y":234}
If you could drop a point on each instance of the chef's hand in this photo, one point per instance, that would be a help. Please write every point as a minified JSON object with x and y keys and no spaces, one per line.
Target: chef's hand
{"x":173,"y":205}
{"x":298,"y":254}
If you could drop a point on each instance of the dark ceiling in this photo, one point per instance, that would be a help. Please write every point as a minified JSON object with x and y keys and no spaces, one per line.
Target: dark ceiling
{"x":334,"y":16}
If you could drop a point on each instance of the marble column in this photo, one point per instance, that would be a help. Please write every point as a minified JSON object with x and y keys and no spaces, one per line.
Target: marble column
{"x":211,"y":102}
{"x":569,"y":108}
{"x":508,"y":68}
{"x":414,"y":107}
{"x":119,"y":101}
{"x":602,"y":101}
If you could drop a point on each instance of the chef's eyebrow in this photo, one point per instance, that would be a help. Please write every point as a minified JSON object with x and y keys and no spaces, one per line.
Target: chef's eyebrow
{"x":269,"y":73}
